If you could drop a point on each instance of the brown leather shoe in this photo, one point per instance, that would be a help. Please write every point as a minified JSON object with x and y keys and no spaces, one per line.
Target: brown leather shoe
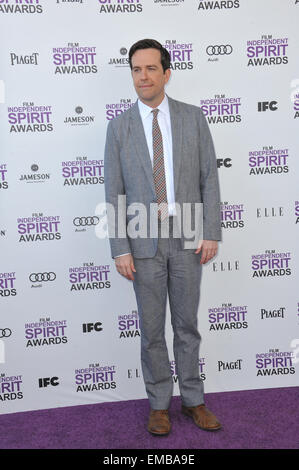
{"x":202,"y":417}
{"x":159,"y":423}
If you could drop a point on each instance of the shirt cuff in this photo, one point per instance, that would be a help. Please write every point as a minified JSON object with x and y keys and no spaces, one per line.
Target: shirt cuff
{"x":118,"y":256}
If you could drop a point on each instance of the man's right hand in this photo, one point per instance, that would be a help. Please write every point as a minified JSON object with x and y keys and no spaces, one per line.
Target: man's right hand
{"x":125,"y":266}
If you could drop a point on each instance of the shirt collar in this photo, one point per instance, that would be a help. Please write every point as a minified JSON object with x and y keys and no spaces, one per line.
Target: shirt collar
{"x":146,"y":110}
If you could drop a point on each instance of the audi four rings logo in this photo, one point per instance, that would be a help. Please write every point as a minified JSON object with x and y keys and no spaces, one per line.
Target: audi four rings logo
{"x":5,"y":332}
{"x":81,"y":221}
{"x":219,"y":50}
{"x":39,"y":277}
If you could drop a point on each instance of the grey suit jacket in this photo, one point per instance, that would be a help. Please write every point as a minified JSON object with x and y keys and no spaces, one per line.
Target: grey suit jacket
{"x":128,"y":171}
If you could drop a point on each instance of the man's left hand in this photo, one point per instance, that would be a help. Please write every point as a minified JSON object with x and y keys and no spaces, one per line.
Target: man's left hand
{"x":208,"y":250}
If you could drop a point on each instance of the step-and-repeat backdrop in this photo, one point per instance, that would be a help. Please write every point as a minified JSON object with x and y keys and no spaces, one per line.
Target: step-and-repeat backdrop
{"x":69,"y":327}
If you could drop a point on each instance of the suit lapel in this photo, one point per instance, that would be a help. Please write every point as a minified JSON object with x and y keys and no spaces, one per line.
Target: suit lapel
{"x":139,"y":139}
{"x":176,"y":120}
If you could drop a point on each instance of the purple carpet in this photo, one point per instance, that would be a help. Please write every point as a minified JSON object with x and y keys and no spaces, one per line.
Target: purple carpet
{"x":254,"y":419}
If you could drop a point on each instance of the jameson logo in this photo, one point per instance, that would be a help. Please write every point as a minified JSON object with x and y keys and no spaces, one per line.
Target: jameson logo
{"x":270,"y":264}
{"x":74,"y":59}
{"x":89,"y":277}
{"x":115,"y":109}
{"x":180,"y":54}
{"x":201,"y":365}
{"x":10,"y":387}
{"x":274,"y":313}
{"x":274,"y":362}
{"x":120,"y":6}
{"x":95,"y":377}
{"x":122,"y":60}
{"x":80,"y":119}
{"x":128,"y":325}
{"x":3,"y":176}
{"x":30,"y":118}
{"x":228,"y":317}
{"x":268,"y":161}
{"x":267,"y":51}
{"x":221,"y":109}
{"x":232,"y":215}
{"x":39,"y":228}
{"x":21,"y":6}
{"x":45,"y":332}
{"x":220,"y":5}
{"x":232,"y":365}
{"x":24,"y":59}
{"x":82,"y":172}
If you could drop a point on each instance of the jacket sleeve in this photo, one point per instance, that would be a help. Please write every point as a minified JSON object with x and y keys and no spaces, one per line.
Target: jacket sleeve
{"x":115,"y":196}
{"x":209,"y":182}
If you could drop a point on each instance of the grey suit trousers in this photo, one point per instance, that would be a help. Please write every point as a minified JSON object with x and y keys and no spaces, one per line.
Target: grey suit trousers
{"x":177,"y":272}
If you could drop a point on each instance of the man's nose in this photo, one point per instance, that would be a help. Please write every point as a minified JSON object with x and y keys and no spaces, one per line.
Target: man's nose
{"x":143,"y":74}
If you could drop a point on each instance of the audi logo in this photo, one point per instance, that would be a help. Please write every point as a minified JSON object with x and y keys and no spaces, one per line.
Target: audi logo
{"x":81,"y":221}
{"x":39,"y":277}
{"x":5,"y":332}
{"x":219,"y":50}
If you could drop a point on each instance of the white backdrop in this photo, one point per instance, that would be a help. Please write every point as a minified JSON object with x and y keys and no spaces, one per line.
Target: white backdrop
{"x":69,"y":323}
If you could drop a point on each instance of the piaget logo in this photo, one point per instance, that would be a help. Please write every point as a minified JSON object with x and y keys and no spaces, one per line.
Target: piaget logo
{"x":29,"y":59}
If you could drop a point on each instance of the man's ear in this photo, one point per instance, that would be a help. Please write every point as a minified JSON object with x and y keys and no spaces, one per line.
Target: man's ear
{"x":167,"y":74}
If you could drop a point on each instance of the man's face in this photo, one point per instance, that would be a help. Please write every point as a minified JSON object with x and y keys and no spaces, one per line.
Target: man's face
{"x":148,"y":76}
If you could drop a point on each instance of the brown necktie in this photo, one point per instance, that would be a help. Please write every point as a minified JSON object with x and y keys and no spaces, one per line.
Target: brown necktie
{"x":158,"y":168}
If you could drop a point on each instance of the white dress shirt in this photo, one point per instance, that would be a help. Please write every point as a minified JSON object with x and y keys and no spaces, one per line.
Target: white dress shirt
{"x":165,"y":126}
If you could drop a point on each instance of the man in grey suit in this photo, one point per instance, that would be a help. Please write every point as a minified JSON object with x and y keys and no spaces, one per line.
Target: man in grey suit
{"x":159,"y":155}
